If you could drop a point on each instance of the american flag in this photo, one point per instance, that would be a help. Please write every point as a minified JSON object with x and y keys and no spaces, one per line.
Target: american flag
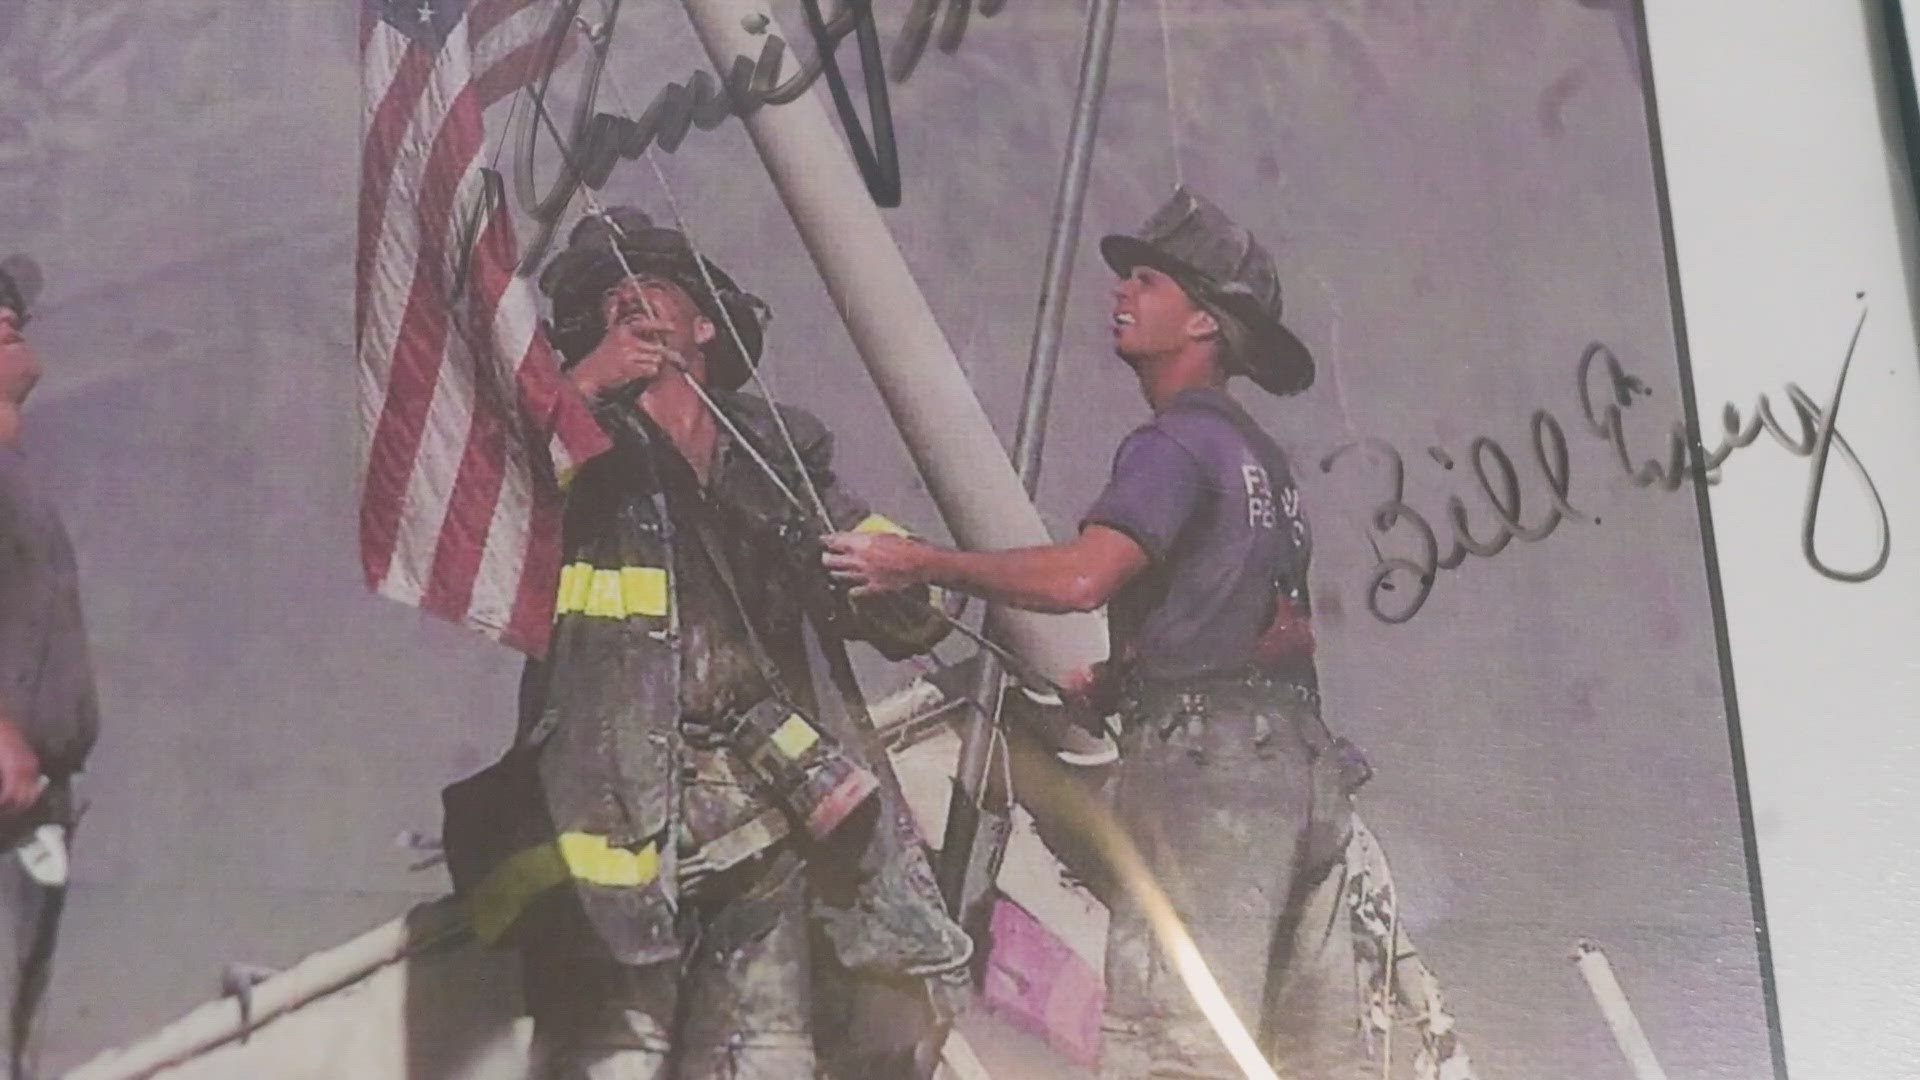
{"x":468,"y":417}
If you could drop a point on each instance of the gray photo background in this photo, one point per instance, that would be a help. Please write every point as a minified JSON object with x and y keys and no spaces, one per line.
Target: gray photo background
{"x":1460,"y":193}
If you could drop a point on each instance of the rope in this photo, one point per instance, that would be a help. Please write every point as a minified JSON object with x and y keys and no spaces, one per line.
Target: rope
{"x":739,"y":343}
{"x":1173,"y":104}
{"x":513,"y":110}
{"x":732,"y":327}
{"x":615,"y":236}
{"x":1393,"y":963}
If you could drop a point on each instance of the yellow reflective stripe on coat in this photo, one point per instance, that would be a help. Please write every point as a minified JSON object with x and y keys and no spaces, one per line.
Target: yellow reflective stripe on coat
{"x":643,"y":589}
{"x":575,"y":578}
{"x":513,"y":885}
{"x":610,"y":593}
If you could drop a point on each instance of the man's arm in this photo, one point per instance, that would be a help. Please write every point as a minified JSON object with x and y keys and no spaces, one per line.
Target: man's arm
{"x":1079,"y":575}
{"x":1156,"y":487}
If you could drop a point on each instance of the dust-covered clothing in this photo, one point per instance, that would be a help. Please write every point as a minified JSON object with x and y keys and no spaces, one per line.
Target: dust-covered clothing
{"x":698,"y":913}
{"x":1227,"y":783}
{"x":1239,"y":821}
{"x":30,"y":915}
{"x":736,"y":1004}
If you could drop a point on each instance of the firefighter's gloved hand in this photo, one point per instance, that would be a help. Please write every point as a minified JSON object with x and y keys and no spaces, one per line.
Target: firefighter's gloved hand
{"x":695,"y":871}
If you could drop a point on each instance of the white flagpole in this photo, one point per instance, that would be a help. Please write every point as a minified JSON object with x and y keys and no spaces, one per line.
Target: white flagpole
{"x":1613,"y":1005}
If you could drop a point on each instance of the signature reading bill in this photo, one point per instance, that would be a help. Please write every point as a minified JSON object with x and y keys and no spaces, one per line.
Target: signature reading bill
{"x":1399,"y":585}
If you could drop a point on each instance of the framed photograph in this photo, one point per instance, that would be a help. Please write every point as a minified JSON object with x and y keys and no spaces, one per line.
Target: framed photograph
{"x":1353,"y":560}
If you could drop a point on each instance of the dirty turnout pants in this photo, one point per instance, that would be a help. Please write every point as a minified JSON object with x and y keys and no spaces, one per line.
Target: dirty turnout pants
{"x":729,"y":1010}
{"x":734,"y":1006}
{"x":1218,"y":796}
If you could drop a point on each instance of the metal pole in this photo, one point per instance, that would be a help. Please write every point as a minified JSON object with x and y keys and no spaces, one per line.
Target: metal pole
{"x":1043,"y":359}
{"x":1031,"y":435}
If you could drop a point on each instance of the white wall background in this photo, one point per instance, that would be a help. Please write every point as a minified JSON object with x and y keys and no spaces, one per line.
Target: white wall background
{"x":1787,"y":202}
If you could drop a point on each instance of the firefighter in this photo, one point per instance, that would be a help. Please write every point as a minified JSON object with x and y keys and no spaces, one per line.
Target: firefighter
{"x":723,"y":882}
{"x":1228,"y":785}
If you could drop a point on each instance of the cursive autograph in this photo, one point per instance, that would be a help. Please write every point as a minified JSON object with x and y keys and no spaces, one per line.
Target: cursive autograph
{"x":1399,"y":585}
{"x":600,"y":140}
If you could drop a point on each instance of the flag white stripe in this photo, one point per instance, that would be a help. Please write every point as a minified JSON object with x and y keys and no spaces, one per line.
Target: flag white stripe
{"x":511,"y":33}
{"x":386,"y":47}
{"x":497,"y":585}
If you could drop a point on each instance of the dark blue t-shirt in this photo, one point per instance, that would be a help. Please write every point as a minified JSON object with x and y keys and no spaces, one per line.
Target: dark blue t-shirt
{"x":1208,"y":496}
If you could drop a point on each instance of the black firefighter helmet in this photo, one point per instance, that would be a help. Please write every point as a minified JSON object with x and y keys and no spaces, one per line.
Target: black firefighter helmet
{"x":20,"y":283}
{"x":578,"y":278}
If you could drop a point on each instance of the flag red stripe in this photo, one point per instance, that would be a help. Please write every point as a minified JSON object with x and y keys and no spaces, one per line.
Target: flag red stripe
{"x":531,"y":624}
{"x":550,"y":402}
{"x":390,"y":461}
{"x":564,"y":413}
{"x":546,"y":398}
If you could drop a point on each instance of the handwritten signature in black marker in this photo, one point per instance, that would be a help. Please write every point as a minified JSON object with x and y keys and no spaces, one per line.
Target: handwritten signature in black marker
{"x":600,"y":140}
{"x":1410,"y":579}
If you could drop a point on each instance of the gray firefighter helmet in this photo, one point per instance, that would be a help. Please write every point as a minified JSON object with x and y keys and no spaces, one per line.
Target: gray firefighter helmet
{"x":1223,"y":267}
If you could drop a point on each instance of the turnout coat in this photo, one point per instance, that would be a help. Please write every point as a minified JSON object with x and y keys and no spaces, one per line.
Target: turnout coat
{"x":577,"y":825}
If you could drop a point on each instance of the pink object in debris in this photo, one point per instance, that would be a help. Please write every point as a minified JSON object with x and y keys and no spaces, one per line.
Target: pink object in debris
{"x":1036,"y":982}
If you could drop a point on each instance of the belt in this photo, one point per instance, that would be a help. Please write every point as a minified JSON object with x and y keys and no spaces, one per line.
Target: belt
{"x":1248,"y":685}
{"x":1191,"y":699}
